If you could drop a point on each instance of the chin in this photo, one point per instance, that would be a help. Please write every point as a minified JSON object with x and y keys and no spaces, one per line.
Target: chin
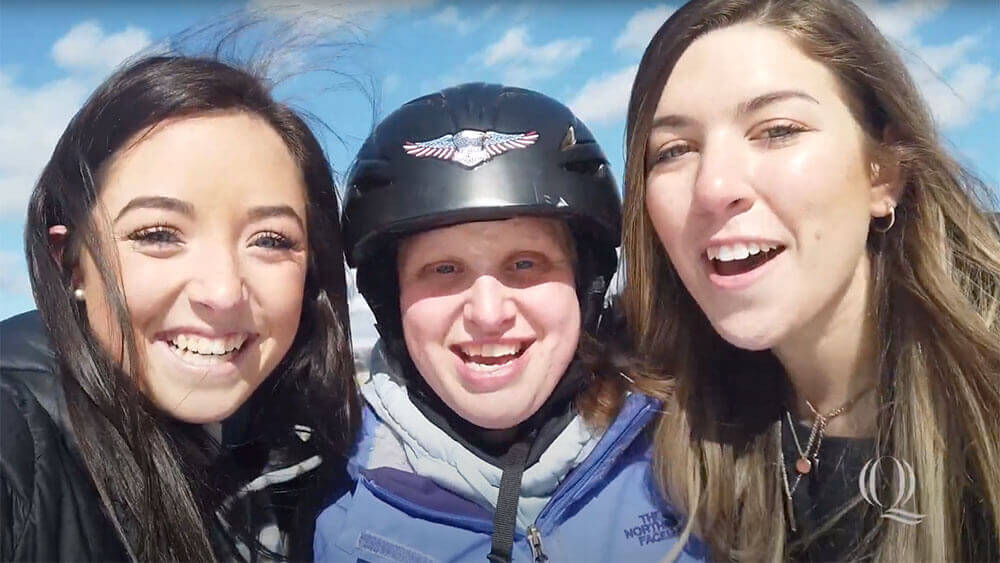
{"x":747,"y":336}
{"x":198,"y":412}
{"x":490,"y":421}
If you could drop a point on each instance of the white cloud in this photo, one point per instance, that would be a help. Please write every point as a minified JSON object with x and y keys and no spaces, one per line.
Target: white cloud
{"x":957,"y":100}
{"x":449,"y":17}
{"x":642,"y":26}
{"x":13,"y":275}
{"x":522,"y":62}
{"x":86,"y":47}
{"x":943,"y":57}
{"x":32,"y":119}
{"x":321,"y":14}
{"x":900,"y":19}
{"x":957,"y":79}
{"x":391,"y":82}
{"x":605,"y":99}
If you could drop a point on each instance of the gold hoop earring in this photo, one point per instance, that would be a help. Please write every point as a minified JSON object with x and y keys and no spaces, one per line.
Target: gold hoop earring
{"x":892,"y":221}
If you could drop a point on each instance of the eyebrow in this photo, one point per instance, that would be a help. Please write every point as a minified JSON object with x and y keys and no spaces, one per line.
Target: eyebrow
{"x":157,"y":202}
{"x":749,"y":106}
{"x":770,"y":98}
{"x":264,"y":212}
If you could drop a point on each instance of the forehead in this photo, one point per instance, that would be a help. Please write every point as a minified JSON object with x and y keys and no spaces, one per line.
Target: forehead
{"x":490,"y":238}
{"x":728,"y":66}
{"x":213,"y":159}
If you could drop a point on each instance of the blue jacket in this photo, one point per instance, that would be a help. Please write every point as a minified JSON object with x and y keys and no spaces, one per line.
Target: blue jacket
{"x":605,"y":509}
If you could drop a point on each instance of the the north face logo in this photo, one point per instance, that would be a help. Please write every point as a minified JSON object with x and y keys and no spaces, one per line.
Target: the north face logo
{"x":652,"y":527}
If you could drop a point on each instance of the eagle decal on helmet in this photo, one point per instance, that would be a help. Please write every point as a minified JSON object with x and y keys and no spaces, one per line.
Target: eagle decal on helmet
{"x":470,"y":147}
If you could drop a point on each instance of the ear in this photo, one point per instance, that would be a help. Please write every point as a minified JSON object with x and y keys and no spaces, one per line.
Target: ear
{"x":887,"y":179}
{"x":57,"y":241}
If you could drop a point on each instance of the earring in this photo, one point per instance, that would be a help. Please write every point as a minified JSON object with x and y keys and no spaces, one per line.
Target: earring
{"x":892,"y":221}
{"x":79,"y":295}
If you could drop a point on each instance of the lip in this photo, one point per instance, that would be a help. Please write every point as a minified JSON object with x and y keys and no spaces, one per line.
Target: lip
{"x":477,"y":381}
{"x":220,"y":373}
{"x":742,"y":281}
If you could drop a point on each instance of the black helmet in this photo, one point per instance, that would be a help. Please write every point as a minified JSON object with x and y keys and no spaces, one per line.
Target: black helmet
{"x":478,"y":152}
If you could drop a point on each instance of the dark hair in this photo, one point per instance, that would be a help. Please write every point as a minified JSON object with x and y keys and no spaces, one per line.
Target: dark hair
{"x":150,"y":470}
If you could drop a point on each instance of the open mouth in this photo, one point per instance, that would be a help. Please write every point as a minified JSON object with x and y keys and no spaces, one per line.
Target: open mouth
{"x":203,"y":351}
{"x":489,"y":357}
{"x":740,"y":258}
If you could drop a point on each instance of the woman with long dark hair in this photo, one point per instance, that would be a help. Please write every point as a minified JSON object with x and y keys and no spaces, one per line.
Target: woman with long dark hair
{"x":185,"y":257}
{"x":821,"y":278}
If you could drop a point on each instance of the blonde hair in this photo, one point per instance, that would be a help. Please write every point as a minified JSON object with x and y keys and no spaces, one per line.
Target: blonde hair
{"x":935,"y":304}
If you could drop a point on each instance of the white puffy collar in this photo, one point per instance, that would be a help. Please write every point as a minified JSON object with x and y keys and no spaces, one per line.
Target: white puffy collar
{"x":430,"y":452}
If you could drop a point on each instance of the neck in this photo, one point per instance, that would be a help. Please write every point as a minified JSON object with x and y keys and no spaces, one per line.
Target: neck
{"x":833,"y":360}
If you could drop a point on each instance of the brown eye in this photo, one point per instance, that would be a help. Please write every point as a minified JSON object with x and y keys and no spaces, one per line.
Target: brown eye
{"x":157,"y":235}
{"x":676,"y":150}
{"x":780,"y":131}
{"x":444,"y":269}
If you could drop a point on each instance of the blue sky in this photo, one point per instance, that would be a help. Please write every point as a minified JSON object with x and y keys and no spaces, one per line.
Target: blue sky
{"x":53,"y":53}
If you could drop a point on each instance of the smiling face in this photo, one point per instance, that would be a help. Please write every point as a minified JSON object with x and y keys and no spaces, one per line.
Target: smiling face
{"x":207,"y":214}
{"x":490,"y":315}
{"x":760,"y":188}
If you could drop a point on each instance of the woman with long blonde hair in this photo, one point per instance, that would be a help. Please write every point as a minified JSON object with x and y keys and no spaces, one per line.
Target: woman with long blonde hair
{"x":817,"y":283}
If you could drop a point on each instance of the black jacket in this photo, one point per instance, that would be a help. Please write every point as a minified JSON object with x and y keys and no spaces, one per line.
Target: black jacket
{"x":49,"y":507}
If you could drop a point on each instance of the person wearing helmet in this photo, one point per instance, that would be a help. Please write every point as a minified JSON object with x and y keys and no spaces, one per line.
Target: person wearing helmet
{"x":483,"y":222}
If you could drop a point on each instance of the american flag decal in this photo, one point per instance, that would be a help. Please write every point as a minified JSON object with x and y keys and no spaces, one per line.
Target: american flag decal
{"x":470,"y":147}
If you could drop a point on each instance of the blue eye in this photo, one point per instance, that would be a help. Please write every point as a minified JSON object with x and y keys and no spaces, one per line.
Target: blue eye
{"x":445,"y":269}
{"x":524,"y":264}
{"x":273,"y":241}
{"x":781,"y":133}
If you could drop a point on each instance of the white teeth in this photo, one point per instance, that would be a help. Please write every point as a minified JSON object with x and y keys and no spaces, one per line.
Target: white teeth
{"x":198,"y":345}
{"x":737,"y":251}
{"x":486,"y":367}
{"x":490,"y":350}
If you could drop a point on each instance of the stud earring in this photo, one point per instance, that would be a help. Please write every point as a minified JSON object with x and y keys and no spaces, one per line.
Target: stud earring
{"x":79,"y":295}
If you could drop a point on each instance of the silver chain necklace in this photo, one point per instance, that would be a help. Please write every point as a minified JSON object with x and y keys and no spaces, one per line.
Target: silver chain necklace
{"x":808,"y":457}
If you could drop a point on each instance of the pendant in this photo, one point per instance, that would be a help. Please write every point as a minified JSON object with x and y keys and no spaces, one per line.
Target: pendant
{"x":803,"y":465}
{"x":790,"y":513}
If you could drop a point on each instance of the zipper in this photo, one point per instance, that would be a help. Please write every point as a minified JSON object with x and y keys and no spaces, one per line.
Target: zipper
{"x":570,"y":485}
{"x":535,"y":541}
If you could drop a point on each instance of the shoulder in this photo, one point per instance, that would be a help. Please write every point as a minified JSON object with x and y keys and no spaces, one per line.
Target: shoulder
{"x":25,"y":344}
{"x":51,"y":509}
{"x":29,"y":372}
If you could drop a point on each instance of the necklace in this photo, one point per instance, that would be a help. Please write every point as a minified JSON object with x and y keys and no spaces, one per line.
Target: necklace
{"x":809,"y":456}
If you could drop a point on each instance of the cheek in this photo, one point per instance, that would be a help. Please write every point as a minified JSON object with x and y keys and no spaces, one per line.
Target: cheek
{"x":555,"y":307}
{"x":150,"y":286}
{"x":668,"y":204}
{"x":277,"y":291}
{"x":426,"y":322}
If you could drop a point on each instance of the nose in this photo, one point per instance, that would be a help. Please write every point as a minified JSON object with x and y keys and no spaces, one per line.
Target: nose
{"x":489,"y":308}
{"x":217,"y":283}
{"x":722,"y":186}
